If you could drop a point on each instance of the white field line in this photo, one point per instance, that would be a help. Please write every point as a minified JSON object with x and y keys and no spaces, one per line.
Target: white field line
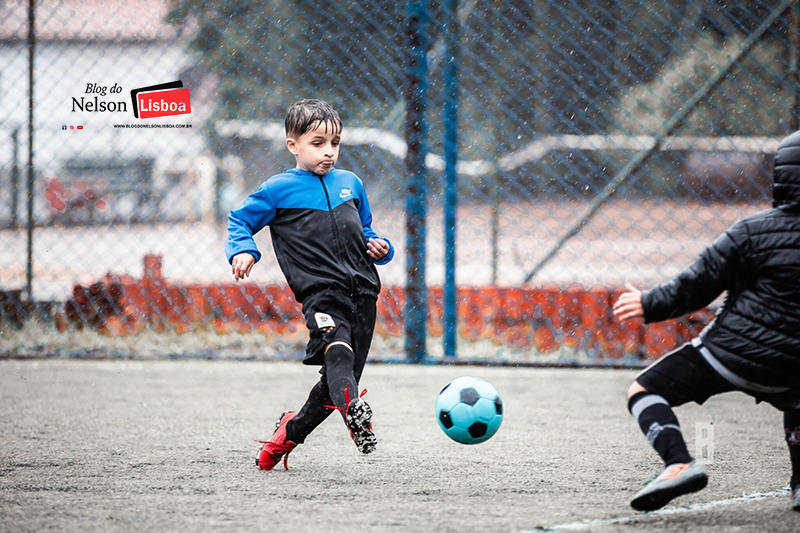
{"x":586,"y":524}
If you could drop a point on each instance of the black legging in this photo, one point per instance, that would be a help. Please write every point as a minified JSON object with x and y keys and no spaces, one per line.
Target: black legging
{"x":791,"y":423}
{"x":342,"y":370}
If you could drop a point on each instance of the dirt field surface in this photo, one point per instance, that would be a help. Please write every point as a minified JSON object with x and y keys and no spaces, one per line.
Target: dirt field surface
{"x":131,"y":445}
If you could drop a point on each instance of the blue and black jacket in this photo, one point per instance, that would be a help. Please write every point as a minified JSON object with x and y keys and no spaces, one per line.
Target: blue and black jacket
{"x":319,"y":226}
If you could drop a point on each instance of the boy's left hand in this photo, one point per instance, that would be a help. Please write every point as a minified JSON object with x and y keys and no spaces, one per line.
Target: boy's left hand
{"x":629,"y":304}
{"x":377,"y":249}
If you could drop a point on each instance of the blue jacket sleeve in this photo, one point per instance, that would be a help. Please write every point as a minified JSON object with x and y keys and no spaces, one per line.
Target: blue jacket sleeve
{"x":366,"y":222}
{"x":256,"y":212}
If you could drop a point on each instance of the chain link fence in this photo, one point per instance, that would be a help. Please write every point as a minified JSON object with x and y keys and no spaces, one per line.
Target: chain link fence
{"x":599,"y":142}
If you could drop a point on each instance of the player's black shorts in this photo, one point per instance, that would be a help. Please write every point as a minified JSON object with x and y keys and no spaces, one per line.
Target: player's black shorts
{"x":684,"y":375}
{"x":333,"y":316}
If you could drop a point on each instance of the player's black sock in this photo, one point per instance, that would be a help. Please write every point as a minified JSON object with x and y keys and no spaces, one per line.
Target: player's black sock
{"x":311,"y":415}
{"x":660,"y":425}
{"x":339,"y":361}
{"x":791,"y":422}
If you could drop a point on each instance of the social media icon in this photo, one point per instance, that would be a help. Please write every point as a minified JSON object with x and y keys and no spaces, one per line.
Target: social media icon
{"x":72,"y":127}
{"x":80,"y":127}
{"x":63,"y":127}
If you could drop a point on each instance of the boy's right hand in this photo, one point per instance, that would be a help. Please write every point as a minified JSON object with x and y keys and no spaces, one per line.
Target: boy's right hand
{"x":241,"y":265}
{"x":629,"y":304}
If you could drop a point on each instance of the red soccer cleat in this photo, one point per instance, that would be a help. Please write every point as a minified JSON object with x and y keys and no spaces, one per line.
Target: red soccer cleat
{"x":277,"y":446}
{"x":358,"y":419}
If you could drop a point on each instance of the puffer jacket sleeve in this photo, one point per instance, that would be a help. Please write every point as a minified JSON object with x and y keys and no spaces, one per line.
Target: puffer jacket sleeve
{"x":718,"y":268}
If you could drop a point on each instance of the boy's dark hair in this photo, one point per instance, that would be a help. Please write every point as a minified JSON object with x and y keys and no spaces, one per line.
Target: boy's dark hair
{"x":306,"y":113}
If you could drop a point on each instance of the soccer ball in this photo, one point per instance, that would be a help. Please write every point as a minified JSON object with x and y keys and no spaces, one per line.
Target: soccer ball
{"x":469,"y":410}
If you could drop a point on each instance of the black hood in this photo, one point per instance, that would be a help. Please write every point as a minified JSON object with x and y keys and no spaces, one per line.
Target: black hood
{"x":786,"y":176}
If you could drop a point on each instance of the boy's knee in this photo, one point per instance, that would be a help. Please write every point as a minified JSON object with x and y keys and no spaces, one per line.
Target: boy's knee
{"x":634,"y":389}
{"x":338,"y":343}
{"x":791,"y":423}
{"x":793,"y":436}
{"x":339,"y":352}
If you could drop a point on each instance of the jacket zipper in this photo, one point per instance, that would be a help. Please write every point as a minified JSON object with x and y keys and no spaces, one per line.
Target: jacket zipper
{"x":336,"y":237}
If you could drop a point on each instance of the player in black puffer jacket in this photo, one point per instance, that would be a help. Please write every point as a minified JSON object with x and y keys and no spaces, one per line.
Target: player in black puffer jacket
{"x":753,"y":344}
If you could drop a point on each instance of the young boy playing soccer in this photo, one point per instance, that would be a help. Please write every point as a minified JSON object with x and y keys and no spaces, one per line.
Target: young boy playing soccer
{"x":752,"y":345}
{"x":321,"y":228}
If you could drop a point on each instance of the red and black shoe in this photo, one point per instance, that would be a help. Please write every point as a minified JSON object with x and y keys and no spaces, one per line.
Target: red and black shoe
{"x":277,"y":446}
{"x":358,"y":418}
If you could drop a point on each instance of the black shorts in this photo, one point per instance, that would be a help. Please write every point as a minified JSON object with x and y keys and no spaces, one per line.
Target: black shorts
{"x":684,"y":376}
{"x":333,"y":316}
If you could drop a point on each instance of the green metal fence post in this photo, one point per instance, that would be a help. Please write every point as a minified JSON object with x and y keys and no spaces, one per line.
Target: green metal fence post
{"x":450,"y":116}
{"x":416,"y":304}
{"x":31,"y":53}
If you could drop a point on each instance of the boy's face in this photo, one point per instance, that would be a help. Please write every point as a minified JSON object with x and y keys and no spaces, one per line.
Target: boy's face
{"x":317,"y":149}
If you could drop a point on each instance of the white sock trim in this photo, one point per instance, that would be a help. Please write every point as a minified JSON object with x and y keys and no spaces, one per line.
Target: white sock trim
{"x":656,"y":429}
{"x":644,"y":402}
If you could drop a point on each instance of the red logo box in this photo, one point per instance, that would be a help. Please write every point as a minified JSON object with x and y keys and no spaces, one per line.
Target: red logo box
{"x":164,"y":103}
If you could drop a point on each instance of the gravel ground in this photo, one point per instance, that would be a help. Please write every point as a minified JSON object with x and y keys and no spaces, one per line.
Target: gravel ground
{"x":167,"y":445}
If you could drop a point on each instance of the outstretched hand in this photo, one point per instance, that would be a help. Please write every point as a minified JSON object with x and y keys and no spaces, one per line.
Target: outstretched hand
{"x":629,"y":304}
{"x":241,"y":265}
{"x":377,"y":249}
